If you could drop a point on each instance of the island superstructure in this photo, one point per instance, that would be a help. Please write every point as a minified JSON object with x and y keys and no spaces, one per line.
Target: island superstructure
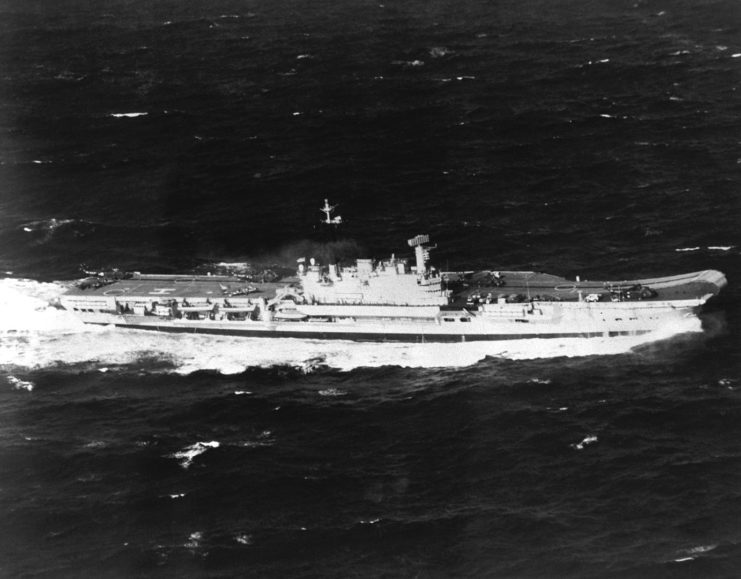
{"x":394,"y":299}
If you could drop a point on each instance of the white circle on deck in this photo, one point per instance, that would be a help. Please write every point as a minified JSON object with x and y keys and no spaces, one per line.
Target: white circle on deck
{"x":113,"y":292}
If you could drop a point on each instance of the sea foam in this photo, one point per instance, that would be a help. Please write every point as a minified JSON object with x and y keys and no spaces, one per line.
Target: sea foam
{"x":189,"y":453}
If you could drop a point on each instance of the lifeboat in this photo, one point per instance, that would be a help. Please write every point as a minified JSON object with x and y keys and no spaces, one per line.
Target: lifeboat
{"x":290,"y":315}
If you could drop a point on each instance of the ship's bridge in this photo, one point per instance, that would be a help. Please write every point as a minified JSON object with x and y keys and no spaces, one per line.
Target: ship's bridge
{"x":389,"y":281}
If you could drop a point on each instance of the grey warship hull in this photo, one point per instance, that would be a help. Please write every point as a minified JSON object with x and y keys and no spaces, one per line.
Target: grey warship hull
{"x":510,"y":306}
{"x":392,"y":300}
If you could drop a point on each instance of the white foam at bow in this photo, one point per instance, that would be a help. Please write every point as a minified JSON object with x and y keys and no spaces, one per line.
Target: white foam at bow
{"x":24,"y":306}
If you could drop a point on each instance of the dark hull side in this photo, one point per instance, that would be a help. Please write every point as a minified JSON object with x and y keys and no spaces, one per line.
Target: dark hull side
{"x":373,"y":337}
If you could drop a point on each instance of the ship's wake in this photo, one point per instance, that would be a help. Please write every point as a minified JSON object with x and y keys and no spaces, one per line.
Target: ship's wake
{"x":35,"y":335}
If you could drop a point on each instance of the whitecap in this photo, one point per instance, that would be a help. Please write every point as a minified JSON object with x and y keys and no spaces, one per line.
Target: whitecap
{"x":313,"y":364}
{"x":332,"y":392}
{"x":591,"y":439}
{"x":736,"y":55}
{"x":177,"y":495}
{"x":681,"y":249}
{"x":46,"y":224}
{"x":128,"y":115}
{"x":243,"y":539}
{"x":370,"y":521}
{"x":439,"y":51}
{"x":720,"y":247}
{"x":194,"y":540}
{"x":701,"y":549}
{"x":242,"y":392}
{"x":19,"y":384}
{"x":188,"y":454}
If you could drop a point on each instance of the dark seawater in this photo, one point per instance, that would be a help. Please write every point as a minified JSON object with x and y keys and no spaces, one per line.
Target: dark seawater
{"x":585,"y":137}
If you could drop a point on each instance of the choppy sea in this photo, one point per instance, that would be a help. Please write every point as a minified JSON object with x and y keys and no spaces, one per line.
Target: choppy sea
{"x":592,"y":138}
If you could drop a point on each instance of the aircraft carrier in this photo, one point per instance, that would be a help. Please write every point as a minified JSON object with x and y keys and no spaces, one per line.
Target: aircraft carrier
{"x":393,"y":299}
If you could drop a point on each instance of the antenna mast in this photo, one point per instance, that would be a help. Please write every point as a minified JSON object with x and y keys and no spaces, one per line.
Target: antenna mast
{"x":327,"y":210}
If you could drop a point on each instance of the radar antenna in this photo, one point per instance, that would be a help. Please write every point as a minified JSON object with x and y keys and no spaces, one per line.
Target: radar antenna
{"x":421,"y":252}
{"x":327,"y":210}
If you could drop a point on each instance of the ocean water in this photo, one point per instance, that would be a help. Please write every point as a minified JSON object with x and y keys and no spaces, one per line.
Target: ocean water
{"x":589,"y":138}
